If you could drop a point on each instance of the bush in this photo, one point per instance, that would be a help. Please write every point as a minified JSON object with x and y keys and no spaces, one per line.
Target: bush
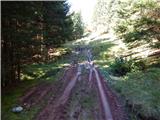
{"x":121,"y":66}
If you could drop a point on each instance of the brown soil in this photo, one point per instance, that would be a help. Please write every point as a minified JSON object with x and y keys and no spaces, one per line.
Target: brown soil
{"x":39,"y":92}
{"x":116,"y":106}
{"x":56,"y":108}
{"x":84,"y":101}
{"x":76,"y":96}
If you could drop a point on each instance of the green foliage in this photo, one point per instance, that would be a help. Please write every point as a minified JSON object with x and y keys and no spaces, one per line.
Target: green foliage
{"x":121,"y":67}
{"x":101,"y":51}
{"x":138,"y":89}
{"x":104,"y":14}
{"x":141,"y":90}
{"x":57,"y":23}
{"x":43,"y":71}
{"x":100,"y":46}
{"x":78,"y":26}
{"x":29,"y":30}
{"x":138,"y":20}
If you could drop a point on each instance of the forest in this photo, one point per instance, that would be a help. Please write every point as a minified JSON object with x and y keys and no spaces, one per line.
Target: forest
{"x":55,"y":67}
{"x":29,"y":30}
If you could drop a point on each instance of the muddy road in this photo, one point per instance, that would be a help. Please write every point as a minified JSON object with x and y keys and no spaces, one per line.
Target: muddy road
{"x":81,"y":94}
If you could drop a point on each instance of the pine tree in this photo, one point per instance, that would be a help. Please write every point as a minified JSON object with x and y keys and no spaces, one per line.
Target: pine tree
{"x":28,"y":29}
{"x":78,"y":25}
{"x":139,"y":21}
{"x":104,"y":15}
{"x":57,"y":24}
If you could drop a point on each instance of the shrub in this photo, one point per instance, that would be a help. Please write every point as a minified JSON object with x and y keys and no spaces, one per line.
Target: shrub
{"x":121,"y":66}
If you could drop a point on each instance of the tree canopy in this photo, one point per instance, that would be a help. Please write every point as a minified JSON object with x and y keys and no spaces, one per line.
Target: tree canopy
{"x":29,"y":29}
{"x":139,"y":20}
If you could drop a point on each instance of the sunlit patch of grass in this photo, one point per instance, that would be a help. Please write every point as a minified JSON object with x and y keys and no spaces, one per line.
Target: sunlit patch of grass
{"x":101,"y":52}
{"x":26,"y":77}
{"x":40,"y":71}
{"x":57,"y":52}
{"x":64,"y":65}
{"x":102,"y":63}
{"x":101,"y":49}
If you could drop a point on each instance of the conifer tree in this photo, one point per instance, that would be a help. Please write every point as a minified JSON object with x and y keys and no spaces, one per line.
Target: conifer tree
{"x":28,"y":29}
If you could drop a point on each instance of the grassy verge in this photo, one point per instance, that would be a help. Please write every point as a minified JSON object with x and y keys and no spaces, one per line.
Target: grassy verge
{"x":142,"y":92}
{"x":31,"y":75}
{"x":102,"y":52}
{"x":140,"y":89}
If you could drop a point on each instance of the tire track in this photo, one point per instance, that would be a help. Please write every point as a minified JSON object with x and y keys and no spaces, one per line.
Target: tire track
{"x":104,"y":100}
{"x":106,"y":104}
{"x":110,"y":106}
{"x":56,"y":110}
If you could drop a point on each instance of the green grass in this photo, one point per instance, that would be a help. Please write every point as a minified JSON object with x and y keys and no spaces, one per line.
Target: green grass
{"x":10,"y":100}
{"x":101,"y":52}
{"x":88,"y":102}
{"x":45,"y":70}
{"x":140,"y":89}
{"x":31,"y":75}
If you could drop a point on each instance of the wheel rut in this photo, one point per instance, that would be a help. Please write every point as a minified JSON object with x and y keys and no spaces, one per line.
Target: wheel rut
{"x":82,"y":93}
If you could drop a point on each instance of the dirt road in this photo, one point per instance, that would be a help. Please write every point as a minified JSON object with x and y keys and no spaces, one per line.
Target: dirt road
{"x":81,"y":94}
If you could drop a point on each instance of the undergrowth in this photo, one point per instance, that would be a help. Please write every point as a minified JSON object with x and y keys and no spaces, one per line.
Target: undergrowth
{"x":121,"y":66}
{"x":142,"y":92}
{"x":31,"y":75}
{"x":137,"y":81}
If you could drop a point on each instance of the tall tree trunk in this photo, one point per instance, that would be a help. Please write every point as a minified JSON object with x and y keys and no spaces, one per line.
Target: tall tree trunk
{"x":18,"y":71}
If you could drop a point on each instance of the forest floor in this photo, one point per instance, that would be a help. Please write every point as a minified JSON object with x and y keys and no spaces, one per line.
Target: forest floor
{"x":76,"y":87}
{"x":80,"y":94}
